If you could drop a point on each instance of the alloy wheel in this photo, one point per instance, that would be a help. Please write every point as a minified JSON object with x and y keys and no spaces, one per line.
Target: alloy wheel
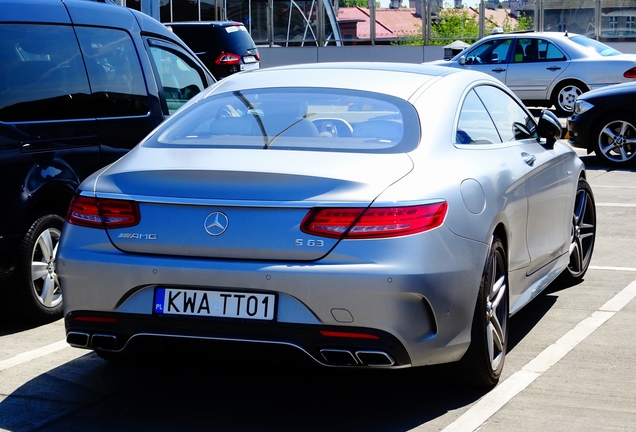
{"x":45,"y":282}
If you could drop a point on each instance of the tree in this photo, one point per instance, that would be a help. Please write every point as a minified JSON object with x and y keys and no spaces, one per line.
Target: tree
{"x":457,"y":24}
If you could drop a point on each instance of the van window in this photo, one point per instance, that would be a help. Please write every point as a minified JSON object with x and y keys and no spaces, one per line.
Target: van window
{"x":180,"y":81}
{"x":42,"y":76}
{"x":116,"y":78}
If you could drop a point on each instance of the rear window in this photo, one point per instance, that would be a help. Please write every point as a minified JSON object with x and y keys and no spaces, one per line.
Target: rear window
{"x":595,"y":46}
{"x":295,"y":119}
{"x":205,"y":38}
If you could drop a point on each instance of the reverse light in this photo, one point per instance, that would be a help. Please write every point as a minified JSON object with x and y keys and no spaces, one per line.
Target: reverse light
{"x":348,"y":335}
{"x":374,"y":222}
{"x":630,"y":73}
{"x":102,"y":213}
{"x":228,"y":59}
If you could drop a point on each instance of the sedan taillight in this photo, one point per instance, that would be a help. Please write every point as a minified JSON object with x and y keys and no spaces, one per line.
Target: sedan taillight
{"x":102,"y":213}
{"x":630,"y":73}
{"x":228,"y":59}
{"x":374,"y":222}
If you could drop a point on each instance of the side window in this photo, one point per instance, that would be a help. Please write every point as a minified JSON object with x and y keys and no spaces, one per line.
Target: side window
{"x":475,"y":125}
{"x":42,"y":76}
{"x":512,"y":121}
{"x":116,"y":77}
{"x":552,"y":53}
{"x":493,"y":51}
{"x":179,"y":79}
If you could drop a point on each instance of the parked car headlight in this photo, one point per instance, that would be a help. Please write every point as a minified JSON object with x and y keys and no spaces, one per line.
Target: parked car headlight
{"x":580,"y":106}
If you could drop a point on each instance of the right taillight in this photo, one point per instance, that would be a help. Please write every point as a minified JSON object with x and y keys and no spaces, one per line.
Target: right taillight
{"x":374,"y":222}
{"x":630,"y":73}
{"x":102,"y":212}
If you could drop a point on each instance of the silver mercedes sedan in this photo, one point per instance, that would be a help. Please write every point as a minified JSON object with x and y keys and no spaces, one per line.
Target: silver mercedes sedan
{"x":364,"y":215}
{"x":547,"y":68}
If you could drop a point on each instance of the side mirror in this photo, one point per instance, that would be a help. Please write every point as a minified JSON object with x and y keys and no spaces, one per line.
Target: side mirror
{"x":549,"y":127}
{"x":462,"y":60}
{"x":494,"y":58}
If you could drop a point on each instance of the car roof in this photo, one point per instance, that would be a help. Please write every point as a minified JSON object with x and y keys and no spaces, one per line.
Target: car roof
{"x":204,"y":23}
{"x":397,"y":79}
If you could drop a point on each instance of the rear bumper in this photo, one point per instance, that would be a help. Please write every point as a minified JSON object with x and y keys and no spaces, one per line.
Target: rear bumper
{"x":158,"y":333}
{"x":418,"y":299}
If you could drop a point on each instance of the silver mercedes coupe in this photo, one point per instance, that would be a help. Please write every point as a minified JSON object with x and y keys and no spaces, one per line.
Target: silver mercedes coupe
{"x":365,"y":215}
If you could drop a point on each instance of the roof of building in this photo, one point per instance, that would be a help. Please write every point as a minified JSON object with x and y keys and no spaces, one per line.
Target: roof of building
{"x":389,"y":23}
{"x":398,"y":23}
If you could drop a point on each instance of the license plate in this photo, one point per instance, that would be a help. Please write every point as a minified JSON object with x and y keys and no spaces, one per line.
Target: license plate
{"x":221,"y":304}
{"x":250,"y":66}
{"x":249,"y":59}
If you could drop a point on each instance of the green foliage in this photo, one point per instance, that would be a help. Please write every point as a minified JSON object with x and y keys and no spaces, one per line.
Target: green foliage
{"x":456,"y":24}
{"x":352,"y":3}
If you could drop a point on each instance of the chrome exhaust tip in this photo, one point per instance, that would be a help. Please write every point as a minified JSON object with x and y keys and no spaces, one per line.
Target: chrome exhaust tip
{"x":335,"y":357}
{"x":78,"y":339}
{"x":104,"y":342}
{"x":375,"y":358}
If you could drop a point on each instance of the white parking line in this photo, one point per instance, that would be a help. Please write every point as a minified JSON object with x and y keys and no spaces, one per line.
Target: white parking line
{"x":615,"y":205}
{"x":517,"y":382}
{"x":32,"y":355}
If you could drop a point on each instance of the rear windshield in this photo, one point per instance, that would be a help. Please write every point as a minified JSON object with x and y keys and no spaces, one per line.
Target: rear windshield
{"x":204,"y":38}
{"x":594,"y":45}
{"x":295,"y":119}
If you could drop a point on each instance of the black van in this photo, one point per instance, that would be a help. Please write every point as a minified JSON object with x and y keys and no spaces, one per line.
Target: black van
{"x":225,"y":47}
{"x":81,"y":83}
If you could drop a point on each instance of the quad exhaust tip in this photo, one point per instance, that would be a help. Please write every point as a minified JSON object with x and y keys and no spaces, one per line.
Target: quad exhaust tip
{"x":340,"y":357}
{"x":96,"y":341}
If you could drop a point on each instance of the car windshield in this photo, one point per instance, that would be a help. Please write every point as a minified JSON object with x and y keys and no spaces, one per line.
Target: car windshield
{"x":595,"y":46}
{"x":320,"y":119}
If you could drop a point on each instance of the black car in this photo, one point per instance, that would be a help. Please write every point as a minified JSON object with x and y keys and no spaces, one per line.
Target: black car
{"x":225,"y":47}
{"x":604,"y":122}
{"x":81,"y":83}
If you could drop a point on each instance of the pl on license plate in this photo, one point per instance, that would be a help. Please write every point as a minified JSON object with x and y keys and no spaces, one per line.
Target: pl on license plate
{"x":171,"y":301}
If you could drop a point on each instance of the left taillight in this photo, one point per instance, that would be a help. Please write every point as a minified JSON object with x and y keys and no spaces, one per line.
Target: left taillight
{"x":374,"y":222}
{"x":228,"y":59}
{"x":102,"y":212}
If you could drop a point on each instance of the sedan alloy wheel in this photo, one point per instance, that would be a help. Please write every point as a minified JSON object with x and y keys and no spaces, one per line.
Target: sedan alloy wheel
{"x":616,"y":141}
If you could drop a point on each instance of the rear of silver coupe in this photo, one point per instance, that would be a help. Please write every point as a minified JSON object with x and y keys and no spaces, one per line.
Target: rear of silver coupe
{"x":328,"y":209}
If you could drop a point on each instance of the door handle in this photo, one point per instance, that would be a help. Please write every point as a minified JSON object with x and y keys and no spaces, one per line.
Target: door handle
{"x":498,"y":70}
{"x":553,"y":68}
{"x":528,"y":158}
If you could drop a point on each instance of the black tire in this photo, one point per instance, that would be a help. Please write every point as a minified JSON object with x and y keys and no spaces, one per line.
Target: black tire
{"x":582,"y":235}
{"x":34,"y":293}
{"x":483,"y":363}
{"x":564,"y":95}
{"x":614,"y":140}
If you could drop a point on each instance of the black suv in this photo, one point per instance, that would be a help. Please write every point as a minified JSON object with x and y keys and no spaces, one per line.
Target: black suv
{"x":225,"y":47}
{"x":81,"y":83}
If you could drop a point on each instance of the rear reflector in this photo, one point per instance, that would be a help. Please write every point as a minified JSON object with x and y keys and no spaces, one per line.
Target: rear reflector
{"x":102,"y":213}
{"x":374,"y":222}
{"x":349,"y":335}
